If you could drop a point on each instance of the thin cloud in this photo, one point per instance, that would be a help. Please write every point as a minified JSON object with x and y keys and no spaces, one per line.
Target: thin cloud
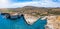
{"x":37,"y":3}
{"x":4,"y":3}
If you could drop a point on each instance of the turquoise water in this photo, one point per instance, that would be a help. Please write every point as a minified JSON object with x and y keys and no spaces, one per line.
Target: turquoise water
{"x":21,"y":23}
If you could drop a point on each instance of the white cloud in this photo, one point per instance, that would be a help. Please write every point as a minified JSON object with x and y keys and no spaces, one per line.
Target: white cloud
{"x":39,"y":3}
{"x":4,"y":3}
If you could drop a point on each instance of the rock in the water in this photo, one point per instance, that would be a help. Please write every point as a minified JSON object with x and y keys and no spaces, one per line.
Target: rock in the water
{"x":11,"y":17}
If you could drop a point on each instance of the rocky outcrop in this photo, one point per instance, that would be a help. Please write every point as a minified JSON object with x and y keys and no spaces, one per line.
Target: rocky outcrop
{"x":30,"y":19}
{"x":53,"y":22}
{"x":9,"y":16}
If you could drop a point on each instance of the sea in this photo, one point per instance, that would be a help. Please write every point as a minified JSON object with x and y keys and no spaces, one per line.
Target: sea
{"x":21,"y":23}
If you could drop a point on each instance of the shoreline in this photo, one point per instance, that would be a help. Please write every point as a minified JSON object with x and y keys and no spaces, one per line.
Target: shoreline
{"x":51,"y":20}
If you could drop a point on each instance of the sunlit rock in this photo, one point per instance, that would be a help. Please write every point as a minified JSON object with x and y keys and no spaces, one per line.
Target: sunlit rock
{"x":30,"y":19}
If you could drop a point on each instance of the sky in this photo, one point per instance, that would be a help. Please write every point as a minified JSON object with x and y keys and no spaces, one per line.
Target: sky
{"x":22,"y":3}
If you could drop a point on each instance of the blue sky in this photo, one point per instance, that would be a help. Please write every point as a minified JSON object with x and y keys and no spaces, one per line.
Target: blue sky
{"x":56,"y":0}
{"x":21,"y":0}
{"x":22,"y":3}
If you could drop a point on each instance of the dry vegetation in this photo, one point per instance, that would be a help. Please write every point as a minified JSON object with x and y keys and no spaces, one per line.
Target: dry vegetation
{"x":36,"y":11}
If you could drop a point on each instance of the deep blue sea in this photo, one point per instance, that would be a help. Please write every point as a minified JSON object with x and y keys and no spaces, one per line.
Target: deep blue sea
{"x":21,"y":23}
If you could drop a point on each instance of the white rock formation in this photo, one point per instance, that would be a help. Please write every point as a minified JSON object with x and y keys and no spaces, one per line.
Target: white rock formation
{"x":30,"y":19}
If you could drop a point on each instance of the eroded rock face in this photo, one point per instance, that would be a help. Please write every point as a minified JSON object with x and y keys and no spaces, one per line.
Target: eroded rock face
{"x":11,"y":16}
{"x":53,"y":22}
{"x":30,"y":19}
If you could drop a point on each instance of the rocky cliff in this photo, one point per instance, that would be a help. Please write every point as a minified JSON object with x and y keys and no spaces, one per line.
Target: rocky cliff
{"x":31,"y":14}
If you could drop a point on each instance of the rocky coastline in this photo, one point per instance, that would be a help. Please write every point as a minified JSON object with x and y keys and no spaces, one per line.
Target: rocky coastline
{"x":53,"y":21}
